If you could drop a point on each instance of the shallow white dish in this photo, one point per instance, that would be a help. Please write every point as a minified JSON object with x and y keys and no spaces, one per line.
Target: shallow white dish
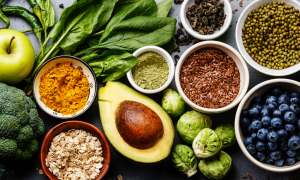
{"x":238,"y":36}
{"x":169,"y":60}
{"x":189,"y":3}
{"x":240,"y":63}
{"x":77,"y":63}
{"x":259,"y":90}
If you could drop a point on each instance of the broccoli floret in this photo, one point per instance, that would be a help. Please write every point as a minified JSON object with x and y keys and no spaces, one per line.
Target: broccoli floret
{"x":3,"y":172}
{"x":20,"y":125}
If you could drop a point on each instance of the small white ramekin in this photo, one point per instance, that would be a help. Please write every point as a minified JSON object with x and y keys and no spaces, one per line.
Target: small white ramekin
{"x":189,"y":3}
{"x":240,"y":63}
{"x":239,"y":41}
{"x":260,"y":90}
{"x":169,"y":60}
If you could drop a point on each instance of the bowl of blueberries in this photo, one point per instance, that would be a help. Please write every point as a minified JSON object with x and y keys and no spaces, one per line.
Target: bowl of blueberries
{"x":267,"y":125}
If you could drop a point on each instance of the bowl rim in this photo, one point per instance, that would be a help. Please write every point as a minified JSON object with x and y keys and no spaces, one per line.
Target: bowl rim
{"x":106,"y":144}
{"x":238,"y":128}
{"x":169,"y":60}
{"x":241,"y":47}
{"x":200,"y":46}
{"x":75,"y":58}
{"x":194,"y":33}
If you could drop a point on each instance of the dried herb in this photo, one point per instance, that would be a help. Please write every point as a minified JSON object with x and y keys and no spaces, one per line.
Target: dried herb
{"x":180,"y":24}
{"x":61,"y":6}
{"x":206,"y":16}
{"x":178,"y":1}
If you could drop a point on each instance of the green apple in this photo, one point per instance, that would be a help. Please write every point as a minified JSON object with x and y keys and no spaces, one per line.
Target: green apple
{"x":16,"y":56}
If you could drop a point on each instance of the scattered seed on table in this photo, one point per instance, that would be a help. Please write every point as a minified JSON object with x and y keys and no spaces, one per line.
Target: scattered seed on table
{"x":267,"y":176}
{"x":180,"y":24}
{"x":244,"y":177}
{"x":250,"y":177}
{"x":61,"y":6}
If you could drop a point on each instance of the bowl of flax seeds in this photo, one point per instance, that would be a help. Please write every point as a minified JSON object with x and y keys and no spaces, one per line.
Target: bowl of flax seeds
{"x":211,"y":77}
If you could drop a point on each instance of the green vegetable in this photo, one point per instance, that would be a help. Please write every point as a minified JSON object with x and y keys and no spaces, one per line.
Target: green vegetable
{"x":20,"y":125}
{"x":207,"y":143}
{"x":47,"y":14}
{"x":111,"y":65}
{"x":191,"y":123}
{"x":172,"y":103}
{"x":184,"y":160}
{"x":124,"y":4}
{"x":3,"y":172}
{"x":27,"y":16}
{"x":216,"y":167}
{"x":3,"y":17}
{"x":164,"y":8}
{"x":226,"y":134}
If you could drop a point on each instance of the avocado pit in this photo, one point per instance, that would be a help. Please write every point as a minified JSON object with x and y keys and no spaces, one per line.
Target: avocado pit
{"x":138,"y":124}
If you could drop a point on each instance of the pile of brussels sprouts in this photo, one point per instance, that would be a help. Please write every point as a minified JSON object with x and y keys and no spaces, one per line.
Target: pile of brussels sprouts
{"x":194,"y":128}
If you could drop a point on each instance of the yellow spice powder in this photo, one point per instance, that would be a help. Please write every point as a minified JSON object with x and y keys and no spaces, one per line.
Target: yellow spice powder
{"x":64,"y":89}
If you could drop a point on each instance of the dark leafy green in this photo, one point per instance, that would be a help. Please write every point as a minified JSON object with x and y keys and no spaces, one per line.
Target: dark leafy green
{"x":47,"y":14}
{"x":163,"y":8}
{"x":111,"y":65}
{"x":169,"y":47}
{"x":123,"y":4}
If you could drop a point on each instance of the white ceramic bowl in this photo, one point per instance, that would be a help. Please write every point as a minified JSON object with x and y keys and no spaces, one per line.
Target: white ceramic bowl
{"x":169,"y":60}
{"x":238,"y":36}
{"x":189,"y":3}
{"x":77,"y":63}
{"x":240,"y":63}
{"x":259,"y":90}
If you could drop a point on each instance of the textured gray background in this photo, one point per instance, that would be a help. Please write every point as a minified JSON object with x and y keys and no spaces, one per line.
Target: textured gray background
{"x":121,"y":165}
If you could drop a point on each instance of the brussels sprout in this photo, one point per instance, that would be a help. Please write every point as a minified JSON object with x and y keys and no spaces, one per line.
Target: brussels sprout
{"x":191,"y":123}
{"x":172,"y":103}
{"x":184,"y":160}
{"x":216,"y":167}
{"x":226,"y":134}
{"x":207,"y":143}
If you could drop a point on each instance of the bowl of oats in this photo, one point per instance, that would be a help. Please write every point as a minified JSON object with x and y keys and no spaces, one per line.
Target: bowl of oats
{"x":75,"y":150}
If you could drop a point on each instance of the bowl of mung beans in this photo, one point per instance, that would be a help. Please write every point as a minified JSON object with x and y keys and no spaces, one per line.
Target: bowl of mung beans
{"x":268,"y":36}
{"x":211,"y":77}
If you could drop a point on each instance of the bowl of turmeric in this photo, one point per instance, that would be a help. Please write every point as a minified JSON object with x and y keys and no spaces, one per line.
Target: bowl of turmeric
{"x":65,"y":87}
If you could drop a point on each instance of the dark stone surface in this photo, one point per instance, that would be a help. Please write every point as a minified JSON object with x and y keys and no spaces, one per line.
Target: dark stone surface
{"x":120,"y":165}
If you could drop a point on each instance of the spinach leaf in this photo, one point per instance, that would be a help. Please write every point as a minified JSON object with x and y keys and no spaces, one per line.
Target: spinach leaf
{"x":169,"y":47}
{"x":137,"y":32}
{"x":111,"y":65}
{"x":164,"y":8}
{"x":123,"y":4}
{"x":48,"y":14}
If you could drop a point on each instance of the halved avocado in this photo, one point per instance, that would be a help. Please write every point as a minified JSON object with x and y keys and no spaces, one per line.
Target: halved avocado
{"x":110,"y":97}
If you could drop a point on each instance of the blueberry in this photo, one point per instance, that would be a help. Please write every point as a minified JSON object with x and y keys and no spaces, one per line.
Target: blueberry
{"x":261,"y":146}
{"x":254,"y":112}
{"x":265,"y":112}
{"x":245,"y":112}
{"x":254,"y":137}
{"x":284,"y":108}
{"x":248,"y":141}
{"x":251,"y":149}
{"x":269,"y":160}
{"x":294,"y":142}
{"x":284,"y":146}
{"x":279,"y":162}
{"x":272,"y":146}
{"x":276,"y":91}
{"x":297,"y":156}
{"x":294,"y":108}
{"x":290,"y":161}
{"x":256,"y":100}
{"x":271,"y":99}
{"x":294,"y":100}
{"x":283,"y":99}
{"x":272,"y":136}
{"x":275,"y":155}
{"x":294,"y":94}
{"x":276,"y":123}
{"x":272,"y":106}
{"x":260,"y":156}
{"x":262,"y":134}
{"x":255,"y":119}
{"x":245,"y":122}
{"x":258,"y":107}
{"x":290,"y":153}
{"x":250,"y":129}
{"x":256,"y":125}
{"x":289,"y":117}
{"x":290,"y":128}
{"x":282,"y":135}
{"x":265,"y":121}
{"x":277,"y":113}
{"x":297,"y":124}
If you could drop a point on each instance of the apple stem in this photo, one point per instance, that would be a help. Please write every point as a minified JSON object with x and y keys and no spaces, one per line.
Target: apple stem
{"x":8,"y":50}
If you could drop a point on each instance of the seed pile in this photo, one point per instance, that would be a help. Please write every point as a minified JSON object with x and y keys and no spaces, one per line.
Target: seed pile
{"x":210,"y":78}
{"x":206,"y":16}
{"x":271,"y":35}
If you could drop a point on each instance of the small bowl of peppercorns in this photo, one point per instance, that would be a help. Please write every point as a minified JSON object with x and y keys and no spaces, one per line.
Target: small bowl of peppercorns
{"x":211,"y":77}
{"x":267,"y":125}
{"x":206,"y":19}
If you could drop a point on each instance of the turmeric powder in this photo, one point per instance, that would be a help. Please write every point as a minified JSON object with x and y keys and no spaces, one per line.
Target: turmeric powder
{"x":64,"y":89}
